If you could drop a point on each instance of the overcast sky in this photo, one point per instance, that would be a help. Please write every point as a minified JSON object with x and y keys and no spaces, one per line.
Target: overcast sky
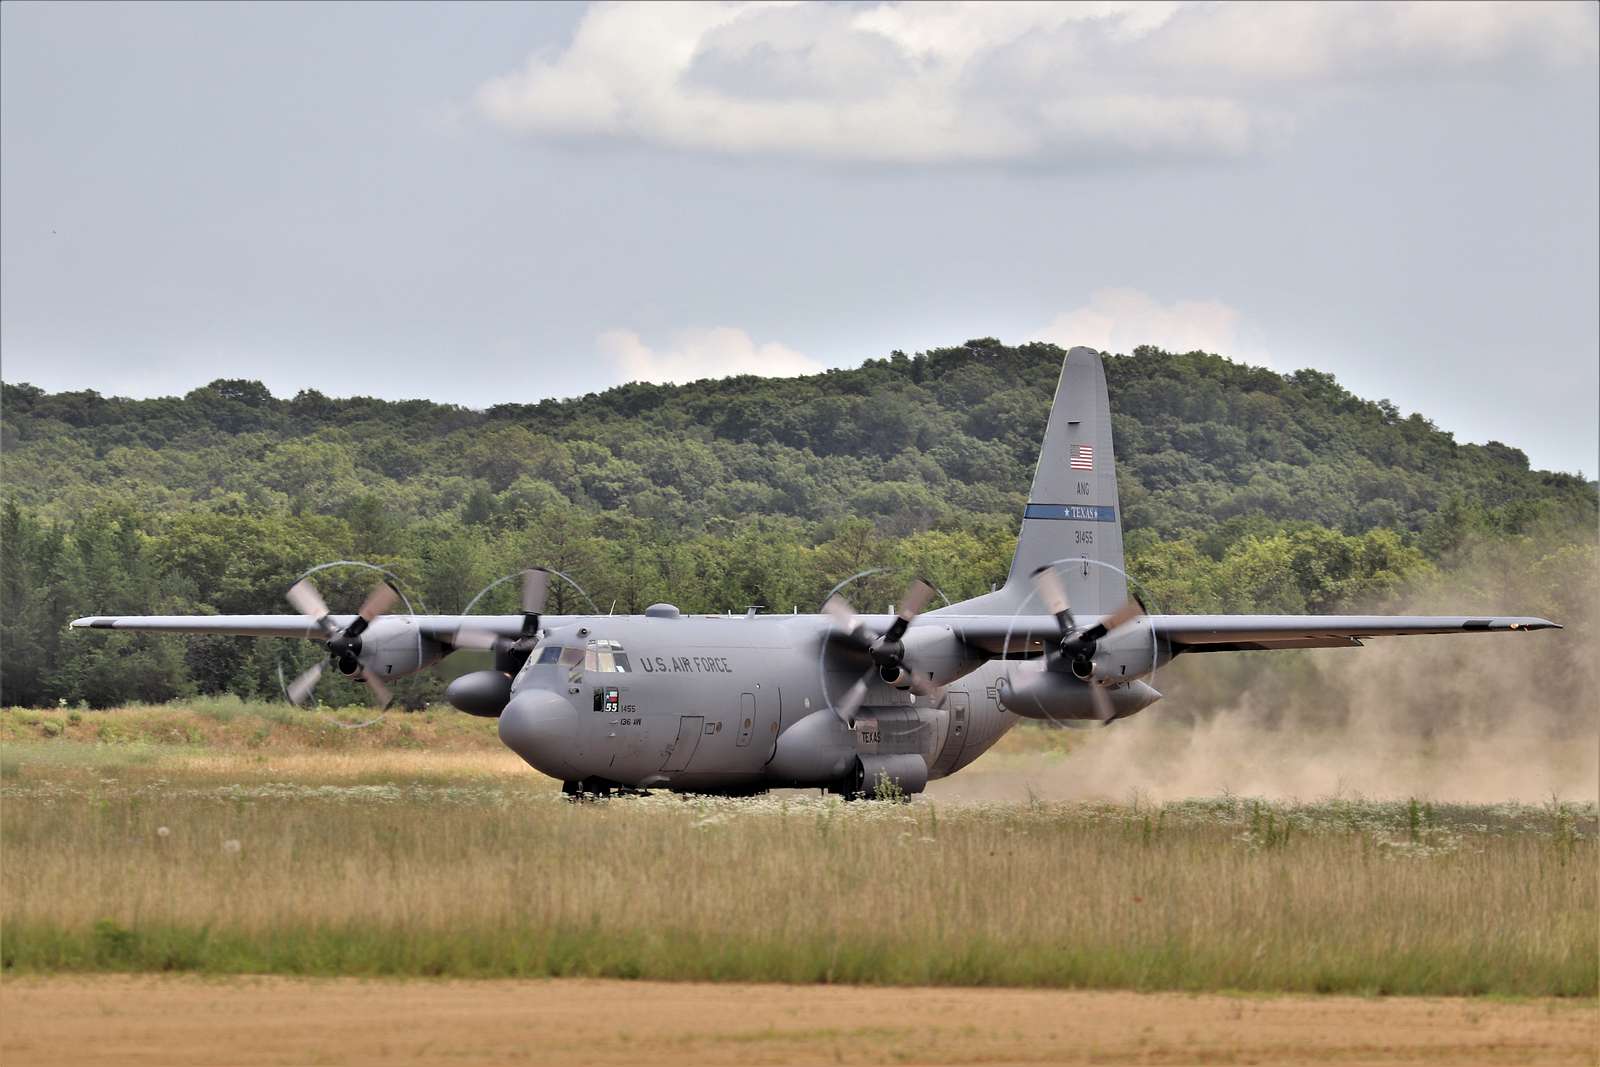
{"x":503,"y":203}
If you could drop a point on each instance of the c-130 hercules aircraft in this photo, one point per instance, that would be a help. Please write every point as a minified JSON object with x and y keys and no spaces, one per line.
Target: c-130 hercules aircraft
{"x":836,"y":700}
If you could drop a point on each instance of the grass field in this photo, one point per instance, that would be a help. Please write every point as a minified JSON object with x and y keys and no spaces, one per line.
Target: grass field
{"x":227,"y":838}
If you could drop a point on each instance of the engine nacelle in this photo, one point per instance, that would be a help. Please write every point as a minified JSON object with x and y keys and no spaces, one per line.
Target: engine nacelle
{"x":482,"y":693}
{"x":1035,"y":693}
{"x":934,"y":657}
{"x":1129,"y":653}
{"x":393,"y":647}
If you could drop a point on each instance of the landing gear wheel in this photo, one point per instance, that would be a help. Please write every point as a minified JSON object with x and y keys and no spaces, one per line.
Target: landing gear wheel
{"x":586,"y":789}
{"x":599,"y":789}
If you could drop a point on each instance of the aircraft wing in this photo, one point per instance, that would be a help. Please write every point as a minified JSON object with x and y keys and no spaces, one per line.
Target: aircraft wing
{"x":438,"y":627}
{"x":1245,"y":633}
{"x":1025,"y":635}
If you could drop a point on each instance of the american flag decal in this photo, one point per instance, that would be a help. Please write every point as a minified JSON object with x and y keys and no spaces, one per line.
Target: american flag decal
{"x":1082,"y":458}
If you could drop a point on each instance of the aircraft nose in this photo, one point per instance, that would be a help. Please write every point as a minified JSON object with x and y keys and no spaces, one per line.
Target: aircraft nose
{"x":544,"y":730}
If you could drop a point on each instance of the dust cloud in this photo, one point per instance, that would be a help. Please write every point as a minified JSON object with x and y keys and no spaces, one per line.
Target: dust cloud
{"x":1478,"y":718}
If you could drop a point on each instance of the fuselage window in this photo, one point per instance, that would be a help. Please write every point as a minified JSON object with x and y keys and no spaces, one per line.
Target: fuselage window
{"x":605,"y":657}
{"x":550,"y":654}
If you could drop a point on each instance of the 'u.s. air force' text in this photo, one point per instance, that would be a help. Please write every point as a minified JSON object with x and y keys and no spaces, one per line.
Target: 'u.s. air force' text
{"x":685,"y":664}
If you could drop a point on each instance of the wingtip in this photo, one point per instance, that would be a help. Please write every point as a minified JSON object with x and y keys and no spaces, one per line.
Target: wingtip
{"x":91,"y":622}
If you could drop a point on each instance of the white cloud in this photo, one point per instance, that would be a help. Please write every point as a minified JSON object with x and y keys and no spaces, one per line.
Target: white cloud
{"x":719,"y":352}
{"x":959,"y":82}
{"x":1304,"y":42}
{"x":1119,"y":320}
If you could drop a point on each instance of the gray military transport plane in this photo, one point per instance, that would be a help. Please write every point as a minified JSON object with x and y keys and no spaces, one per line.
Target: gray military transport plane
{"x":836,"y":700}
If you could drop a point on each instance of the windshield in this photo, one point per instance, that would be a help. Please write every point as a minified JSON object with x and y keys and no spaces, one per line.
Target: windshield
{"x":599,"y":656}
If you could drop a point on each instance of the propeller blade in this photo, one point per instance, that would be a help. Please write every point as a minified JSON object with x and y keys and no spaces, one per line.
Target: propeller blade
{"x":535,"y":589}
{"x":378,"y":690}
{"x":301,"y":687}
{"x":305,"y":599}
{"x":1053,"y":593}
{"x":917,"y":596}
{"x":1131,"y":609}
{"x":380,"y":600}
{"x":479,"y":640}
{"x":839,"y":609}
{"x":852,"y":700}
{"x":849,"y":626}
{"x":1104,"y":709}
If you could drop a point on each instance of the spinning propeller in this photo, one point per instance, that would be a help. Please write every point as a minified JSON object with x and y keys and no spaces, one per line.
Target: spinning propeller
{"x":344,"y":645}
{"x":535,"y":590}
{"x":1077,"y":647}
{"x":886,"y":650}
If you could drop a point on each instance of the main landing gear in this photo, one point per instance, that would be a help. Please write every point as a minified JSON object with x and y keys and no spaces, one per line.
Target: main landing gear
{"x":598,"y":789}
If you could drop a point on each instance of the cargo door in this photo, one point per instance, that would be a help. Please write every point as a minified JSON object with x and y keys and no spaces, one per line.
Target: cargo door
{"x":683,"y":748}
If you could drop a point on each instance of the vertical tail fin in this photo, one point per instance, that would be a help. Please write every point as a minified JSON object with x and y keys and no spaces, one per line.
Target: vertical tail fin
{"x":1073,"y":511}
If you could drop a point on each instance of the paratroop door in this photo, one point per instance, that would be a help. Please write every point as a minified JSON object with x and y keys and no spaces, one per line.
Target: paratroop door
{"x":747,"y":718}
{"x":683,"y":749}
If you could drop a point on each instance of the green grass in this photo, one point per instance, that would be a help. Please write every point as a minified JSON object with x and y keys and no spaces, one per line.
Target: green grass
{"x":357,"y":862}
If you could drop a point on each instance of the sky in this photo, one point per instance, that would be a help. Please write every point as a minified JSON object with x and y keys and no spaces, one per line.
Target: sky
{"x":501,"y":203}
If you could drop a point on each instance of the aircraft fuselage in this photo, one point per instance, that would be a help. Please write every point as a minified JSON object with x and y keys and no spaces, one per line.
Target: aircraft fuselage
{"x":702,"y":704}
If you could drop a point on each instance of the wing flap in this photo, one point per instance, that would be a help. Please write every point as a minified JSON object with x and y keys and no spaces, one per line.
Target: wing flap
{"x":1287,"y":642}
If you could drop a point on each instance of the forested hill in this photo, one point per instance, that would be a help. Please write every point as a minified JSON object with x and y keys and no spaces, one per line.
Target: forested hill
{"x":908,"y":442}
{"x":728,"y":492}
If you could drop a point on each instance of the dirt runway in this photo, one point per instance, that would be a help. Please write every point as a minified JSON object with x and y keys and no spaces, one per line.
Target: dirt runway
{"x":259,"y":1021}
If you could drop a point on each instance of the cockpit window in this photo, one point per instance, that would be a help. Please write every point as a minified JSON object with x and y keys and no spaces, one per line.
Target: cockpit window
{"x":605,"y":656}
{"x":601,"y":656}
{"x":570,"y":658}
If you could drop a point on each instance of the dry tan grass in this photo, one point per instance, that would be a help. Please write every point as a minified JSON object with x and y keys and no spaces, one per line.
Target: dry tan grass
{"x":477,"y":877}
{"x":287,"y":845}
{"x":336,"y":766}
